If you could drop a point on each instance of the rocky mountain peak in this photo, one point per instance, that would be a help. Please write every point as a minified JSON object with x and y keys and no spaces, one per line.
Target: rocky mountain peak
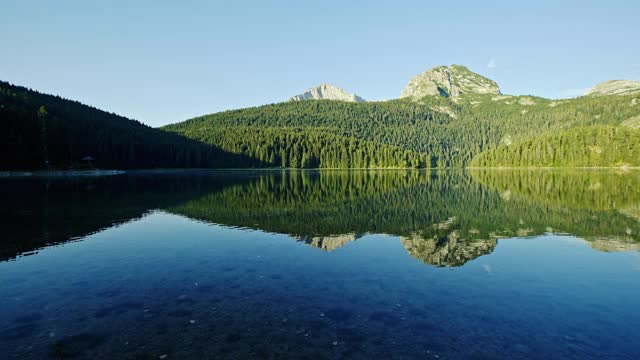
{"x":449,"y":81}
{"x":327,"y":91}
{"x":615,"y":87}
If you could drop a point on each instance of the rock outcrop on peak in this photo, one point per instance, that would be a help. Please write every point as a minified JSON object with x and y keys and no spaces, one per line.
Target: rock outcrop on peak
{"x":449,"y":81}
{"x":327,"y":92}
{"x":615,"y":87}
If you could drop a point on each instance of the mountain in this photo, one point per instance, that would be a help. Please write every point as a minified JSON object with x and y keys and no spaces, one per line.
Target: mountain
{"x":459,"y":116}
{"x":327,"y":92}
{"x":615,"y":87}
{"x":46,"y":131}
{"x":449,"y":81}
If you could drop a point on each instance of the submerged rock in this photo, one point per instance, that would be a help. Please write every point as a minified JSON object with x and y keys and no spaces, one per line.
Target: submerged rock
{"x":76,"y":345}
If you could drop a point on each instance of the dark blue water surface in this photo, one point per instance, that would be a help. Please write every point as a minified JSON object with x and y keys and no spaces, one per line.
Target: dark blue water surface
{"x":322,"y":265}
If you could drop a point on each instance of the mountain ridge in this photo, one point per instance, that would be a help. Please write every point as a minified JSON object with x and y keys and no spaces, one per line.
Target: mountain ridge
{"x":455,"y":81}
{"x":614,"y":87}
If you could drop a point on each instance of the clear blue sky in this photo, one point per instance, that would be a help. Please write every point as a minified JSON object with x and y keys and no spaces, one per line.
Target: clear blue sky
{"x":165,"y":61}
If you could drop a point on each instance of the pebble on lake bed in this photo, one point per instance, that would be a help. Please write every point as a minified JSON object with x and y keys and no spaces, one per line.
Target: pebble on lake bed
{"x":192,"y":322}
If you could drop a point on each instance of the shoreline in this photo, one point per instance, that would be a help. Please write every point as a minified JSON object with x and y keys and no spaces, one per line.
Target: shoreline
{"x":90,"y":173}
{"x":59,"y":173}
{"x":555,"y":168}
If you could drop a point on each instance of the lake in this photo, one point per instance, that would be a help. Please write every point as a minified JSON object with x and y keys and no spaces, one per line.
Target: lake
{"x":478,"y":264}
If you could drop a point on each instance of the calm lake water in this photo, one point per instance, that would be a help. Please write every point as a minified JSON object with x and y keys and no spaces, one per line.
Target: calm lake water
{"x":322,"y":265}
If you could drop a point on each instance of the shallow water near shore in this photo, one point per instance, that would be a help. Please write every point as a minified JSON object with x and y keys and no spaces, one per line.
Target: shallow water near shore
{"x":322,"y":264}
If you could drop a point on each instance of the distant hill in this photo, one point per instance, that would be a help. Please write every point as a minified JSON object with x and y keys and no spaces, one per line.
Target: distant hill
{"x":327,"y":92}
{"x":40,"y":129}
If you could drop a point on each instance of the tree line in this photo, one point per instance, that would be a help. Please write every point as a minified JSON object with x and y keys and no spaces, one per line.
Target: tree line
{"x":590,"y":146}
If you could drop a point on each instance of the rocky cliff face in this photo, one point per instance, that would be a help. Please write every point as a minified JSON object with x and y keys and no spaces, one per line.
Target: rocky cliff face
{"x":327,"y":92}
{"x":449,"y":81}
{"x":615,"y":87}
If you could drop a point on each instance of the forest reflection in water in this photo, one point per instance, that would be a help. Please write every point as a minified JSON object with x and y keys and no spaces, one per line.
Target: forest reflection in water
{"x":444,"y":218}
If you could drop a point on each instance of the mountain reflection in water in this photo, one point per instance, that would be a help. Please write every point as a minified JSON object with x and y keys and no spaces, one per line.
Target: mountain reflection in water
{"x":443,"y":218}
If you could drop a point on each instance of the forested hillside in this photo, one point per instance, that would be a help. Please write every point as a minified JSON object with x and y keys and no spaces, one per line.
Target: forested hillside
{"x":588,"y":146}
{"x":298,"y":147}
{"x":442,"y":130}
{"x":41,"y":131}
{"x":437,"y":131}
